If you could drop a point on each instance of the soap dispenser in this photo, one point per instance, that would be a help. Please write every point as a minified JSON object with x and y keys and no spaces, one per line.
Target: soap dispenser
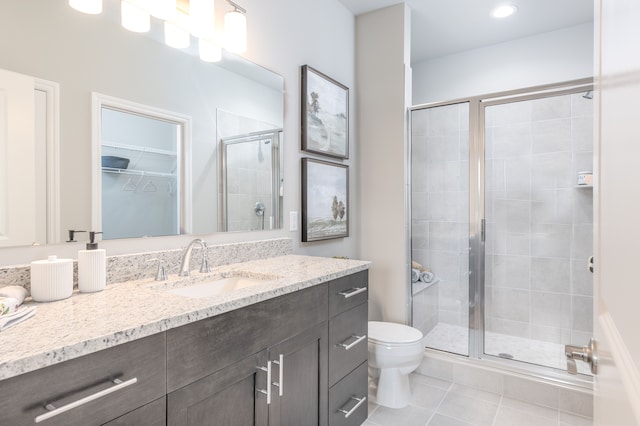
{"x":92,"y":266}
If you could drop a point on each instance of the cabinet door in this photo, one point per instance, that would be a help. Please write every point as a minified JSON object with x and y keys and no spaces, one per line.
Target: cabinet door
{"x":230,"y":397}
{"x":299,"y":370}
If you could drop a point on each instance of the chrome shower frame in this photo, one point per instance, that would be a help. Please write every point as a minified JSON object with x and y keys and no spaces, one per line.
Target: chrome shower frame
{"x":477,"y":105}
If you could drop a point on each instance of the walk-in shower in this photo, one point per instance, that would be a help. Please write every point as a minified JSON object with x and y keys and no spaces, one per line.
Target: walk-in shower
{"x":498,"y":216}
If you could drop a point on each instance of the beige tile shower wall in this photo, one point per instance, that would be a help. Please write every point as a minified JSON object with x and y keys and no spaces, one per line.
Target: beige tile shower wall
{"x":440,"y":204}
{"x":539,"y":223}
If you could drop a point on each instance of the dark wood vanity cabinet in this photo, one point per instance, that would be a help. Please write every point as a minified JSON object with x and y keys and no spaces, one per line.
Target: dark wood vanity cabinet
{"x":229,"y":359}
{"x":312,"y":343}
{"x":297,"y":359}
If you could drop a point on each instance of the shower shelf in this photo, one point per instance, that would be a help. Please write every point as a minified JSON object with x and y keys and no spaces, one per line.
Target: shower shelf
{"x":419,"y":286}
{"x":585,"y":186}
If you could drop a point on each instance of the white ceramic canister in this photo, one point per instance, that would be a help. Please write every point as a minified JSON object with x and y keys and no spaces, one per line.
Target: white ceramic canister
{"x":51,"y":279}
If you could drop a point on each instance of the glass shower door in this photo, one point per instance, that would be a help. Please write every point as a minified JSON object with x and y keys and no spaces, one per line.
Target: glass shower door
{"x":537,"y":290}
{"x":440,"y":225}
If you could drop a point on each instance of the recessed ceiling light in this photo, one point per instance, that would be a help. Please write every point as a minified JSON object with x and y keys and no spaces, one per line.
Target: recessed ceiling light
{"x":503,"y":11}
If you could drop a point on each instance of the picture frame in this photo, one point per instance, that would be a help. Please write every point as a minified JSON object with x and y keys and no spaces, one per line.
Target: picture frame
{"x":325,"y":200}
{"x":325,"y":114}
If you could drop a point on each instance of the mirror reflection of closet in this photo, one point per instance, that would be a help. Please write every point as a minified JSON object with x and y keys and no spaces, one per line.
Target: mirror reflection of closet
{"x":141,"y":151}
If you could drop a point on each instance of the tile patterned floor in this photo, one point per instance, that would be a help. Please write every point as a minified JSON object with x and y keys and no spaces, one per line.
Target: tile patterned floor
{"x":438,"y":402}
{"x":454,"y":338}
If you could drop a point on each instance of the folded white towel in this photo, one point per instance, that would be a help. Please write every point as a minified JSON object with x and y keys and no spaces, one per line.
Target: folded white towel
{"x":415,"y":275}
{"x":426,"y":277}
{"x":15,"y":291}
{"x":7,"y":321}
{"x":8,"y":305}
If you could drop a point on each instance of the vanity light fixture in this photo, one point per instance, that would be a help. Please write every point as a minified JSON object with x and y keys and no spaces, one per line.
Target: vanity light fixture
{"x":235,"y":29}
{"x":162,"y":9}
{"x":209,"y":50}
{"x":176,"y":33}
{"x":92,"y":7}
{"x":202,"y":16}
{"x":134,"y":18}
{"x":182,"y":18}
{"x":503,"y":11}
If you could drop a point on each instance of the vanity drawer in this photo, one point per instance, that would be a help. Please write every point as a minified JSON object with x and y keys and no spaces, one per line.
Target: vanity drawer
{"x":347,"y":292}
{"x":196,"y":350}
{"x":152,"y":414}
{"x":139,"y":366}
{"x":347,"y":342}
{"x":347,"y":399}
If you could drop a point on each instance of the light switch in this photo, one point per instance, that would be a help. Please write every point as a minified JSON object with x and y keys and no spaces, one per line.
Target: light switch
{"x":293,"y":221}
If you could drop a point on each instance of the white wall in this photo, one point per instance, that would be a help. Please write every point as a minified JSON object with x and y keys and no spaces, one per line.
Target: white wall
{"x":282,"y":35}
{"x":382,"y":100}
{"x":551,"y":57}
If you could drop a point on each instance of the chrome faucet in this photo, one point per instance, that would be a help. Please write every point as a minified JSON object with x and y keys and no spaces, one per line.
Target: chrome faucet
{"x":186,"y":258}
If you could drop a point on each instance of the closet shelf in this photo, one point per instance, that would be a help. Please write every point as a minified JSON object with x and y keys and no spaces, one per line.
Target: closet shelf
{"x":138,"y":172}
{"x":141,"y":149}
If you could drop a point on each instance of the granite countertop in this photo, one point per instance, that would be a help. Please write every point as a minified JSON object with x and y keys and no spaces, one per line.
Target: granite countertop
{"x":89,"y":322}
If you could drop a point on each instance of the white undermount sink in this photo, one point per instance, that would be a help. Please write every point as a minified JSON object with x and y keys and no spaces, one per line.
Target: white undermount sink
{"x":217,"y":286}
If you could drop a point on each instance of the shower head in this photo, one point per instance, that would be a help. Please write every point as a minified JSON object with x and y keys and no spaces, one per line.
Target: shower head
{"x":588,"y":95}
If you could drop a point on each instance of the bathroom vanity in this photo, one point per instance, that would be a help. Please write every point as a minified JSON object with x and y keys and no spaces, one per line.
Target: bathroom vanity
{"x":291,"y":350}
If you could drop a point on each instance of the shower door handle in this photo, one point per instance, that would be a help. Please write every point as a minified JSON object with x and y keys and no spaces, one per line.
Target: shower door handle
{"x":588,"y":354}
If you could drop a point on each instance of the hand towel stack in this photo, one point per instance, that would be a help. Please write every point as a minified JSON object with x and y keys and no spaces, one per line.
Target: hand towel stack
{"x":420,"y":273}
{"x":11,"y":297}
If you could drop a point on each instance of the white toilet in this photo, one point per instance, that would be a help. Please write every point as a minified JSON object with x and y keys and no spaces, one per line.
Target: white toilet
{"x":395,"y":351}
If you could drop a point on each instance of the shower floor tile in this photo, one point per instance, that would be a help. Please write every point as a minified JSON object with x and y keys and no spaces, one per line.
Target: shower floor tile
{"x":455,"y":339}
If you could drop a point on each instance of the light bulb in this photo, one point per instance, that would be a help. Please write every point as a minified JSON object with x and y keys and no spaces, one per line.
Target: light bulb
{"x":92,"y":7}
{"x":235,"y":32}
{"x":133,"y":18}
{"x":202,"y":16}
{"x":163,"y":9}
{"x":176,"y":33}
{"x":209,"y":51}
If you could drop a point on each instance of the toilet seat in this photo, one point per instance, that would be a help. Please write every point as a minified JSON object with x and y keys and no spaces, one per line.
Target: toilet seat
{"x":392,"y":334}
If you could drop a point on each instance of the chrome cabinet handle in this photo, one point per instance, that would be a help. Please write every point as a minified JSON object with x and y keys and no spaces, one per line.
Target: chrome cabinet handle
{"x":355,"y":407}
{"x":268,"y":390}
{"x":280,"y":383}
{"x":53,"y":411}
{"x":352,"y":344}
{"x":352,"y":292}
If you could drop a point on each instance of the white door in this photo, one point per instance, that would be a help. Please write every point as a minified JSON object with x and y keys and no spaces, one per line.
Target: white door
{"x":17,"y":153}
{"x":617,"y":233}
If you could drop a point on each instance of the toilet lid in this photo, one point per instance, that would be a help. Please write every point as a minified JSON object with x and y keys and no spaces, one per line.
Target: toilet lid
{"x":390,"y":332}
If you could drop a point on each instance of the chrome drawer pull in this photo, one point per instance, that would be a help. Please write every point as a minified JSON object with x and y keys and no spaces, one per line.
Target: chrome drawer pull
{"x":350,"y":412}
{"x":53,"y":411}
{"x":268,"y":390}
{"x":355,"y":342}
{"x":352,"y":292}
{"x":280,"y":383}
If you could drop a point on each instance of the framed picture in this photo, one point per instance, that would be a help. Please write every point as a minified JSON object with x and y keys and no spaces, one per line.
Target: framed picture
{"x":325,"y":200}
{"x":325,"y":114}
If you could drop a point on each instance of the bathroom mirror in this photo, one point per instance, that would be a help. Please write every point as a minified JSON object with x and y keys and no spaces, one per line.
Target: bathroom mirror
{"x":83,"y":54}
